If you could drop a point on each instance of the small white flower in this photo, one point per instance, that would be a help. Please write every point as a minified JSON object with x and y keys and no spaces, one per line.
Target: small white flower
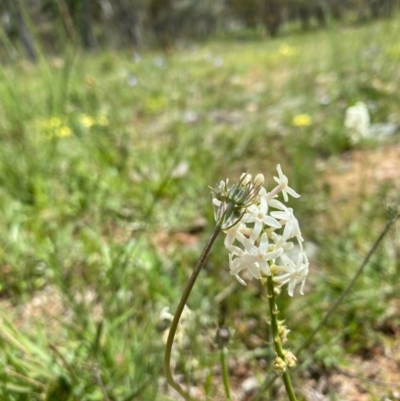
{"x":283,"y":182}
{"x":280,"y":242}
{"x":259,"y":216}
{"x":238,"y":278}
{"x":292,"y":228}
{"x":256,"y":256}
{"x":294,"y":273}
{"x":235,"y":250}
{"x":241,"y":263}
{"x":357,"y":121}
{"x":275,"y":203}
{"x":234,"y":233}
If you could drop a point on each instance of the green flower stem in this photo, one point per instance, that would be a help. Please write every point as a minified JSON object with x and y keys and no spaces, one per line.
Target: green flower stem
{"x":276,"y":337}
{"x":179,"y":310}
{"x":225,"y":375}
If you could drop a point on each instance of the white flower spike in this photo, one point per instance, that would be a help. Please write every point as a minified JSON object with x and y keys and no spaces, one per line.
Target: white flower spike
{"x":261,"y":230}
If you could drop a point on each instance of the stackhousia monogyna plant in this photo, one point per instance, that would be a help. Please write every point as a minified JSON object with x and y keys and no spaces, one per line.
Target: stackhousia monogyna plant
{"x":261,"y":233}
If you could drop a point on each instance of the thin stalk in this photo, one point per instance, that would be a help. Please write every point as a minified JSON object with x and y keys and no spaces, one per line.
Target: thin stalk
{"x":225,"y":374}
{"x":276,"y":338}
{"x":179,"y":310}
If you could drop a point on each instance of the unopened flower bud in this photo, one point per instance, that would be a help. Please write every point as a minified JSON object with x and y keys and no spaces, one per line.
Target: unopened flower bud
{"x":259,"y":180}
{"x":279,"y":365}
{"x":230,"y":203}
{"x":274,"y":269}
{"x":245,"y":178}
{"x":290,"y":359}
{"x":283,"y":331}
{"x":277,"y":290}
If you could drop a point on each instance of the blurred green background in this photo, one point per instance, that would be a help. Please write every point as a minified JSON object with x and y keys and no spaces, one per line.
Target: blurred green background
{"x":115,"y":116}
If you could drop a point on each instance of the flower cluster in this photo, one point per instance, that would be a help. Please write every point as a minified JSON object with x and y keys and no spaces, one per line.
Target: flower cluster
{"x":261,"y":232}
{"x":56,"y":127}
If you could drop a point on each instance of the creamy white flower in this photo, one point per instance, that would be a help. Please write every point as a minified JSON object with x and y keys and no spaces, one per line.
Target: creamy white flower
{"x":238,"y":278}
{"x":256,"y":255}
{"x":234,"y":233}
{"x":283,"y":186}
{"x":235,"y":250}
{"x":275,"y":203}
{"x":293,"y":273}
{"x":280,"y":242}
{"x":292,"y":228}
{"x":259,"y":216}
{"x":357,"y":121}
{"x":241,"y":263}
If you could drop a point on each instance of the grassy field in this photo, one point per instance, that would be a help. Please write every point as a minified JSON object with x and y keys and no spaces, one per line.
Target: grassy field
{"x":105,"y":162}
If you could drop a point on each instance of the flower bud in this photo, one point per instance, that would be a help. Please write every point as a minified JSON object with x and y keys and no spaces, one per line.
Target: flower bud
{"x":279,"y":365}
{"x":259,"y":180}
{"x":290,"y":359}
{"x":245,"y":178}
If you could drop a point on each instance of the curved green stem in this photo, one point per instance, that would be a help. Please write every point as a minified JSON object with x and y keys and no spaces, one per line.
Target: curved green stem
{"x":276,"y":338}
{"x":179,"y":310}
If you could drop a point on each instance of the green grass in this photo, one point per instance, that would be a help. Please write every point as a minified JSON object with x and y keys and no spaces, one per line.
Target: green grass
{"x":96,"y":214}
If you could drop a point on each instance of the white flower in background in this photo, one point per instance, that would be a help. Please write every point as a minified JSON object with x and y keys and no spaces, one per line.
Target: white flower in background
{"x":260,"y":230}
{"x":165,"y":320}
{"x":357,"y":121}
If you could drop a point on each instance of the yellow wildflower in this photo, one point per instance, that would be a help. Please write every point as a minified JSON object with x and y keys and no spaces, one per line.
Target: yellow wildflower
{"x":302,"y":120}
{"x":287,"y":50}
{"x":86,"y":120}
{"x":53,"y":127}
{"x":63,"y":131}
